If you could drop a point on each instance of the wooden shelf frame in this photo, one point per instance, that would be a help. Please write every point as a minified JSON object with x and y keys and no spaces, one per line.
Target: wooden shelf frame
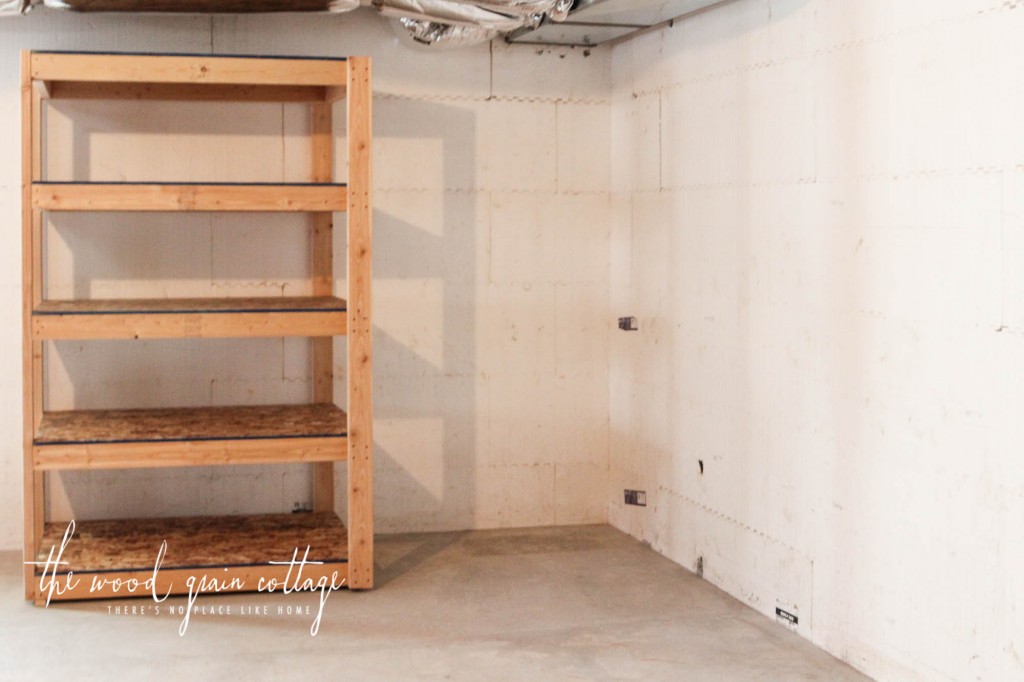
{"x":322,"y":316}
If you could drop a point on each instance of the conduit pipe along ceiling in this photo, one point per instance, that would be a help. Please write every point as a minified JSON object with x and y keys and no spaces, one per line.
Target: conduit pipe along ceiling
{"x":437,"y":23}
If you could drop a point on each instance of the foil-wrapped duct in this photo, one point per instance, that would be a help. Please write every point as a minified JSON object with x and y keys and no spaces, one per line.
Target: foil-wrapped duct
{"x":560,"y":12}
{"x":452,"y":23}
{"x":452,"y":12}
{"x":435,"y":34}
{"x":447,"y":23}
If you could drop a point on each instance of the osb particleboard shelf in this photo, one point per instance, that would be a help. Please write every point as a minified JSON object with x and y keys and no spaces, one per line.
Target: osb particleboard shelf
{"x":234,"y":551}
{"x":197,"y":541}
{"x":107,"y":439}
{"x":189,"y":318}
{"x":199,"y":423}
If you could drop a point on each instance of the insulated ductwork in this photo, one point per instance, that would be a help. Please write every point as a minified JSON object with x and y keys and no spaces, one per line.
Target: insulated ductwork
{"x":445,"y":35}
{"x":438,"y":23}
{"x":428,"y":22}
{"x":497,"y":16}
{"x":455,"y":22}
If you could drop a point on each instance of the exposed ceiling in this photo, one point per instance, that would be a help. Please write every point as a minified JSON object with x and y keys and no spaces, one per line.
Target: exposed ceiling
{"x":439,"y":23}
{"x":592,"y":22}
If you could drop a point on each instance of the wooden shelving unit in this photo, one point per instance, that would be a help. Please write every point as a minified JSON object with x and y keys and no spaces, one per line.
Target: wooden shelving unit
{"x":318,"y":432}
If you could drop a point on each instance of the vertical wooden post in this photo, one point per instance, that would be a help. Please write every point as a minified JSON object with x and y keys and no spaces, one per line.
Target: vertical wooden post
{"x":360,"y":326}
{"x":32,"y":292}
{"x":38,"y":353}
{"x":322,"y":259}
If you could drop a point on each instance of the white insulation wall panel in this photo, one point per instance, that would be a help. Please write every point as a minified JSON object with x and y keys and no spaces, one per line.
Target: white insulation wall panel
{"x":818,"y":223}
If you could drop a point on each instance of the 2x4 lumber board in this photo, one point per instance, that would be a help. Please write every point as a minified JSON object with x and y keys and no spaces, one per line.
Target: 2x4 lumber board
{"x":211,"y":70}
{"x":188,"y":453}
{"x":199,"y":6}
{"x":189,"y":318}
{"x":265,"y":304}
{"x":221,"y":547}
{"x":360,"y":326}
{"x":322,"y":260}
{"x":190,"y":92}
{"x":187,"y":325}
{"x":322,"y":171}
{"x":191,"y":424}
{"x":29,"y":141}
{"x":38,"y":493}
{"x":104,"y":196}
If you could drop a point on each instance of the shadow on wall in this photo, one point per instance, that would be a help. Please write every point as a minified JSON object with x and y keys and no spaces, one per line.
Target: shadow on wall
{"x":424,"y":302}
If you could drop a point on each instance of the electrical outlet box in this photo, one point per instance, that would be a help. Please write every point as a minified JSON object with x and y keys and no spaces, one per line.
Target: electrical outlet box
{"x":636,"y":497}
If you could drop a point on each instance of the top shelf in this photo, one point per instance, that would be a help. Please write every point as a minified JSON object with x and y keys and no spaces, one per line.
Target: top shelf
{"x":88,"y":75}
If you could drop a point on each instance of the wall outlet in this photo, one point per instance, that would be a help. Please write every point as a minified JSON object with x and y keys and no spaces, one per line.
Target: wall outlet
{"x":637,"y":497}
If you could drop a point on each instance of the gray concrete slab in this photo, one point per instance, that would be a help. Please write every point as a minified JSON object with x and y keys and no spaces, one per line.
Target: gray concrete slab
{"x":566,"y":603}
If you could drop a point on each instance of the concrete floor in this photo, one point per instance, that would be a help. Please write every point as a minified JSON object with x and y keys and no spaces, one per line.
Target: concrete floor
{"x":579,"y":603}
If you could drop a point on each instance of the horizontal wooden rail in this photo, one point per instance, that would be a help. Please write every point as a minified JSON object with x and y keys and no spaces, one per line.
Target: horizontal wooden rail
{"x":206,"y":69}
{"x":189,"y":318}
{"x":112,"y":196}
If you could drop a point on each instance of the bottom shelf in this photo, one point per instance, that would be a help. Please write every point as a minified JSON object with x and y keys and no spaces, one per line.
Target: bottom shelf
{"x":233,"y":551}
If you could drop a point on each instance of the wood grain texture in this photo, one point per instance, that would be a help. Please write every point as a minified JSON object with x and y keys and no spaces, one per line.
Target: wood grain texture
{"x":189,"y":318}
{"x":199,"y":6}
{"x":360,"y":325}
{"x":213,"y":70}
{"x":189,"y":92}
{"x":102,"y":196}
{"x":192,"y":305}
{"x":322,"y":272}
{"x":32,"y":520}
{"x":163,"y":454}
{"x":188,"y":326}
{"x":197,"y":541}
